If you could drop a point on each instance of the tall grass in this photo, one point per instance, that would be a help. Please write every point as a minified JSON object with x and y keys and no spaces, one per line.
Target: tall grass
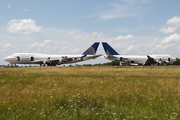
{"x":125,"y":92}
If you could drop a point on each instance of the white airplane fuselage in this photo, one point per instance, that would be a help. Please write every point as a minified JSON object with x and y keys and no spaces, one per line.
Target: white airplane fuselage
{"x":141,"y":59}
{"x":37,"y":58}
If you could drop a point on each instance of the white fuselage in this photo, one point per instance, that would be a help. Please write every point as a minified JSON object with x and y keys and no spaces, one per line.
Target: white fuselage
{"x":141,"y":59}
{"x":37,"y":58}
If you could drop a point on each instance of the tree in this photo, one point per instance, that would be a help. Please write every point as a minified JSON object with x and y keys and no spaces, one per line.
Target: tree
{"x":115,"y":63}
{"x":177,"y":61}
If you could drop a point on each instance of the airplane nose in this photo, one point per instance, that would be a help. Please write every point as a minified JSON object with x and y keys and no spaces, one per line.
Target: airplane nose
{"x":7,"y":59}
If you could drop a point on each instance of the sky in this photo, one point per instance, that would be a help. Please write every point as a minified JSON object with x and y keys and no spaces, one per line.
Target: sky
{"x":131,"y":27}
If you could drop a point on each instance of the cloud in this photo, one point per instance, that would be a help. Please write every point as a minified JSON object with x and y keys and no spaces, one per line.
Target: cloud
{"x":45,"y":43}
{"x":96,"y":35}
{"x":76,"y":50}
{"x":26,"y":10}
{"x":169,"y":46}
{"x":35,"y":45}
{"x":24,"y":26}
{"x":118,"y":11}
{"x":9,"y":5}
{"x":130,"y":47}
{"x":168,"y":30}
{"x":8,"y":45}
{"x":175,"y":21}
{"x":132,"y":1}
{"x":78,"y":37}
{"x":172,"y":38}
{"x":172,"y":25}
{"x":71,"y":33}
{"x":127,"y":8}
{"x":125,"y":37}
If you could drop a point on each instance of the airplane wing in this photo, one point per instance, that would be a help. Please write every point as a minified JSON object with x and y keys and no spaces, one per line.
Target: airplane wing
{"x":69,"y":58}
{"x":93,"y":56}
{"x":150,"y":60}
{"x":47,"y":61}
{"x":109,"y":56}
{"x":38,"y":62}
{"x":53,"y":60}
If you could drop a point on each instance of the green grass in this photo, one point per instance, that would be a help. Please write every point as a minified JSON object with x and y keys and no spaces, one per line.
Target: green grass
{"x":125,"y":92}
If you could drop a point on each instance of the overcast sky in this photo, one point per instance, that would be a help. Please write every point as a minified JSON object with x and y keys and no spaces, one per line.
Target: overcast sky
{"x":132,"y":27}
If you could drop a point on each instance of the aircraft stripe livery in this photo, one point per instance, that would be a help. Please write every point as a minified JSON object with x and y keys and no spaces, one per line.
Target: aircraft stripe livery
{"x":91,"y":50}
{"x":52,"y":60}
{"x":137,"y":59}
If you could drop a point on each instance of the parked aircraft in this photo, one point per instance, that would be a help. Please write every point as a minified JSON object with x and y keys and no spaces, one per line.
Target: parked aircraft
{"x":52,"y":60}
{"x":137,"y":59}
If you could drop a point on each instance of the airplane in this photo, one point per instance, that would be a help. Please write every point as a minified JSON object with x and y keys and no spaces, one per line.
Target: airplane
{"x":52,"y":60}
{"x":137,"y":59}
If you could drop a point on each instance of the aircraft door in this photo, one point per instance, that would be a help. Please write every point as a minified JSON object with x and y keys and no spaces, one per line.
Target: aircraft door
{"x":169,"y":59}
{"x":18,"y":58}
{"x":32,"y":58}
{"x":81,"y":58}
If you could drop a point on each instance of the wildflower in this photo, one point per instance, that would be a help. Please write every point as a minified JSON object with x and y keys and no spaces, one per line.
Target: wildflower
{"x":175,"y":113}
{"x":114,"y":113}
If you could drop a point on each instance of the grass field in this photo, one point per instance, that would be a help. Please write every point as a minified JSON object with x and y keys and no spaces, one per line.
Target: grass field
{"x":125,"y":92}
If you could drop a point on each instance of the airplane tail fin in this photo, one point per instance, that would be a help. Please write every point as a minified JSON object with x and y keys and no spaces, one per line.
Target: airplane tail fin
{"x":108,"y":49}
{"x":91,"y":50}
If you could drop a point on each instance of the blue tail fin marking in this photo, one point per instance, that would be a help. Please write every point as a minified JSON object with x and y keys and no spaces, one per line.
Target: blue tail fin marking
{"x":91,"y":50}
{"x":108,"y":48}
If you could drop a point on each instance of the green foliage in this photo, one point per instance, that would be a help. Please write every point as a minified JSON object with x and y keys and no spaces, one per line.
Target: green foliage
{"x":177,"y":61}
{"x":124,"y":92}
